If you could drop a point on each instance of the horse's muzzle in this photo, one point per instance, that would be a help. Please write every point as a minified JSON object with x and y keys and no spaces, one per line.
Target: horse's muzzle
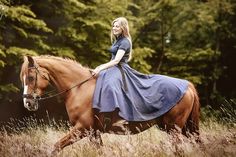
{"x":31,"y":104}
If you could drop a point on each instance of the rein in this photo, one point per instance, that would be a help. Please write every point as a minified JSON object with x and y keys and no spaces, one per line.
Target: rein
{"x":37,"y":97}
{"x":66,"y":90}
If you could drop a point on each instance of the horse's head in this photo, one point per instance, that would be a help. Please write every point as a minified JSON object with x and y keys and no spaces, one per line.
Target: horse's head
{"x":34,"y":79}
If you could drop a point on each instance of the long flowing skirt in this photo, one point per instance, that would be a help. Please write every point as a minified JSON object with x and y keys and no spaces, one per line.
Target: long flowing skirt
{"x":147,"y":96}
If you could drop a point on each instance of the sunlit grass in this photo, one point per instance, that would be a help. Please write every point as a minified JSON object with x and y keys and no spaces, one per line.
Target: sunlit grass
{"x":31,"y":137}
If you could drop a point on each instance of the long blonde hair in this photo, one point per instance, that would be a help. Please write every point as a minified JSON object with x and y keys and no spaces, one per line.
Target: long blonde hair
{"x":123,"y":23}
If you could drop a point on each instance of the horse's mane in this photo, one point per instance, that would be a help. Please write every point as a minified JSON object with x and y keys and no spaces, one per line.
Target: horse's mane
{"x":68,"y":60}
{"x":65,"y":60}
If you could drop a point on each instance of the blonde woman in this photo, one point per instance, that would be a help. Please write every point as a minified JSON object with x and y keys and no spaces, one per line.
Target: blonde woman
{"x":122,"y":46}
{"x":136,"y":96}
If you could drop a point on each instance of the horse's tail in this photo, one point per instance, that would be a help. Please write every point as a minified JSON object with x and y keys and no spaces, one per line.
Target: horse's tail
{"x":192,"y":125}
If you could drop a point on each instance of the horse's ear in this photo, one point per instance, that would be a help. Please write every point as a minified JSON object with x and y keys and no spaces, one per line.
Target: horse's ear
{"x":31,"y":61}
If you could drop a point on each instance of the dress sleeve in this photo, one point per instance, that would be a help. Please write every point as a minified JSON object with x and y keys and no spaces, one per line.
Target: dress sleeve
{"x":124,"y":45}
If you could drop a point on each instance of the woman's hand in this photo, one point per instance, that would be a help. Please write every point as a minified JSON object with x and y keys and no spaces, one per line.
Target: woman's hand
{"x":96,"y":71}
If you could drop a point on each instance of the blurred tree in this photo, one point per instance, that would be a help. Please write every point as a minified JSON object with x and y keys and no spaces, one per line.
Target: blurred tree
{"x":224,"y":45}
{"x":21,"y":33}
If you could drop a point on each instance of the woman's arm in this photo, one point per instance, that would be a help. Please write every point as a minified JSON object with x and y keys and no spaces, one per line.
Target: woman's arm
{"x":120,"y":53}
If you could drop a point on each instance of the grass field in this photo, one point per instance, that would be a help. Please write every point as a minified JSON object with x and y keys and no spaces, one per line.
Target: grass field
{"x":29,"y":138}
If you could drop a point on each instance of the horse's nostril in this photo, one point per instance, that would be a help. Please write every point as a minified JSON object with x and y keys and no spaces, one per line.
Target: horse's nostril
{"x":28,"y":104}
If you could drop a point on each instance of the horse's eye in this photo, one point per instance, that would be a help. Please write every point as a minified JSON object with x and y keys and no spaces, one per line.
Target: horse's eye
{"x":31,"y":78}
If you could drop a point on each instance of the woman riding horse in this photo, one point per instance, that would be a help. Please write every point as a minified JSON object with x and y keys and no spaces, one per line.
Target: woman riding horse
{"x":136,"y":96}
{"x":120,"y":99}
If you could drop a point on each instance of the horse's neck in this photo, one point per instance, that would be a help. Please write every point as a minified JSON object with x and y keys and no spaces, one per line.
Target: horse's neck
{"x":64,"y":74}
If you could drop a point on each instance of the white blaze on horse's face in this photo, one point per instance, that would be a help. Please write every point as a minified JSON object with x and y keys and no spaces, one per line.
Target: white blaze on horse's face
{"x":30,"y":104}
{"x":25,"y":92}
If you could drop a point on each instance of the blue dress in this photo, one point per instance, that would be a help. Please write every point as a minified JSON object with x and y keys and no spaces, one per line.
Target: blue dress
{"x":139,"y":97}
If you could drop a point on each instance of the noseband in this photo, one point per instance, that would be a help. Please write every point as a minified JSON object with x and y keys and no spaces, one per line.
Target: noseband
{"x":36,"y":97}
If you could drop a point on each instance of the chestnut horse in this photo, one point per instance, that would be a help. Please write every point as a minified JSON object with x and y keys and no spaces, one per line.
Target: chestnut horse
{"x":76,"y":84}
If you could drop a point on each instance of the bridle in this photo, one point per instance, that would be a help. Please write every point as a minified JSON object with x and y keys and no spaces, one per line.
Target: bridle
{"x":36,"y":97}
{"x":34,"y":94}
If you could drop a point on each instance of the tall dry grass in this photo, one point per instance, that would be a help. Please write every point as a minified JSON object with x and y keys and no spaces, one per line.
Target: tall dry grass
{"x":34,"y":138}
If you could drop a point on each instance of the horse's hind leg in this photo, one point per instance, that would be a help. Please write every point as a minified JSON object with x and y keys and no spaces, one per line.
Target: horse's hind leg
{"x":96,"y":138}
{"x":192,"y":124}
{"x":178,"y":115}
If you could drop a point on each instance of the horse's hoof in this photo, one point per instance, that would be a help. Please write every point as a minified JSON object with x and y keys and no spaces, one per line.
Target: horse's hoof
{"x":54,"y":153}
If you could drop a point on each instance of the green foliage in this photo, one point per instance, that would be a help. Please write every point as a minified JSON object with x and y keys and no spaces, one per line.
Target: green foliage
{"x":19,"y":51}
{"x":64,"y":52}
{"x":138,"y":59}
{"x":26,"y":18}
{"x":8,"y":88}
{"x":21,"y":33}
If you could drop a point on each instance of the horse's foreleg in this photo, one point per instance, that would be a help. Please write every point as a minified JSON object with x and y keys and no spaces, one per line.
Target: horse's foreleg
{"x":77,"y":132}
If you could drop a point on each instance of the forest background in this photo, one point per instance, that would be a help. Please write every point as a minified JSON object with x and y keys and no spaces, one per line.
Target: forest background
{"x":188,"y":39}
